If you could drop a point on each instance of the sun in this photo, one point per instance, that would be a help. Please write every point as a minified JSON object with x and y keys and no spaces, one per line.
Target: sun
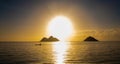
{"x":60,"y":27}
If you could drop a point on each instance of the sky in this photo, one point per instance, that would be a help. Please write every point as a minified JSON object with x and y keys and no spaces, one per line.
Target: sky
{"x":27,"y":20}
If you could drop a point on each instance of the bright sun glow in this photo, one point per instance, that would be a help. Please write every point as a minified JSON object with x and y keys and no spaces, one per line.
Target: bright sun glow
{"x":60,"y":27}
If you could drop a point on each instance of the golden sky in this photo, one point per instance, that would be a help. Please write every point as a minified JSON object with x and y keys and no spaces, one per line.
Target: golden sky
{"x":28,"y":20}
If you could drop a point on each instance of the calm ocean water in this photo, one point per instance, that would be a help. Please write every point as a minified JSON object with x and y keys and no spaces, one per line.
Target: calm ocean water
{"x":60,"y":53}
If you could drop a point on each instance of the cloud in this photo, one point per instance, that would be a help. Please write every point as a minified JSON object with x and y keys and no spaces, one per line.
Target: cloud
{"x":106,"y":34}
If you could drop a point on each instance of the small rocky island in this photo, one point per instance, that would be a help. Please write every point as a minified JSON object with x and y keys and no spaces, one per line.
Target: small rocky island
{"x":50,"y":39}
{"x":90,"y":38}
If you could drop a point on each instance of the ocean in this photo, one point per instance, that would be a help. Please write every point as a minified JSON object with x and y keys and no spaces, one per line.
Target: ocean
{"x":60,"y":52}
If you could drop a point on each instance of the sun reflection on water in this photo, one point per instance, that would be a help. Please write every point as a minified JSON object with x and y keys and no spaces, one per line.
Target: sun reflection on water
{"x":60,"y":51}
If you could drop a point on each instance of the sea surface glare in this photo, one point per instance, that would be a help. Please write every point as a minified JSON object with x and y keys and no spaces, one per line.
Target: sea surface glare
{"x":60,"y":53}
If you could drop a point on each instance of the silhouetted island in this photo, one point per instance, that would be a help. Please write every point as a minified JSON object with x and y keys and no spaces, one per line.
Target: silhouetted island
{"x":90,"y":38}
{"x":50,"y":39}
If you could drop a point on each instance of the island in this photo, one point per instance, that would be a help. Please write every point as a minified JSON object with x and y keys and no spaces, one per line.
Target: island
{"x":50,"y":39}
{"x":90,"y":38}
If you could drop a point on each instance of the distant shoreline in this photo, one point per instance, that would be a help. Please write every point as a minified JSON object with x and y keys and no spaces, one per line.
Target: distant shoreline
{"x":57,"y":41}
